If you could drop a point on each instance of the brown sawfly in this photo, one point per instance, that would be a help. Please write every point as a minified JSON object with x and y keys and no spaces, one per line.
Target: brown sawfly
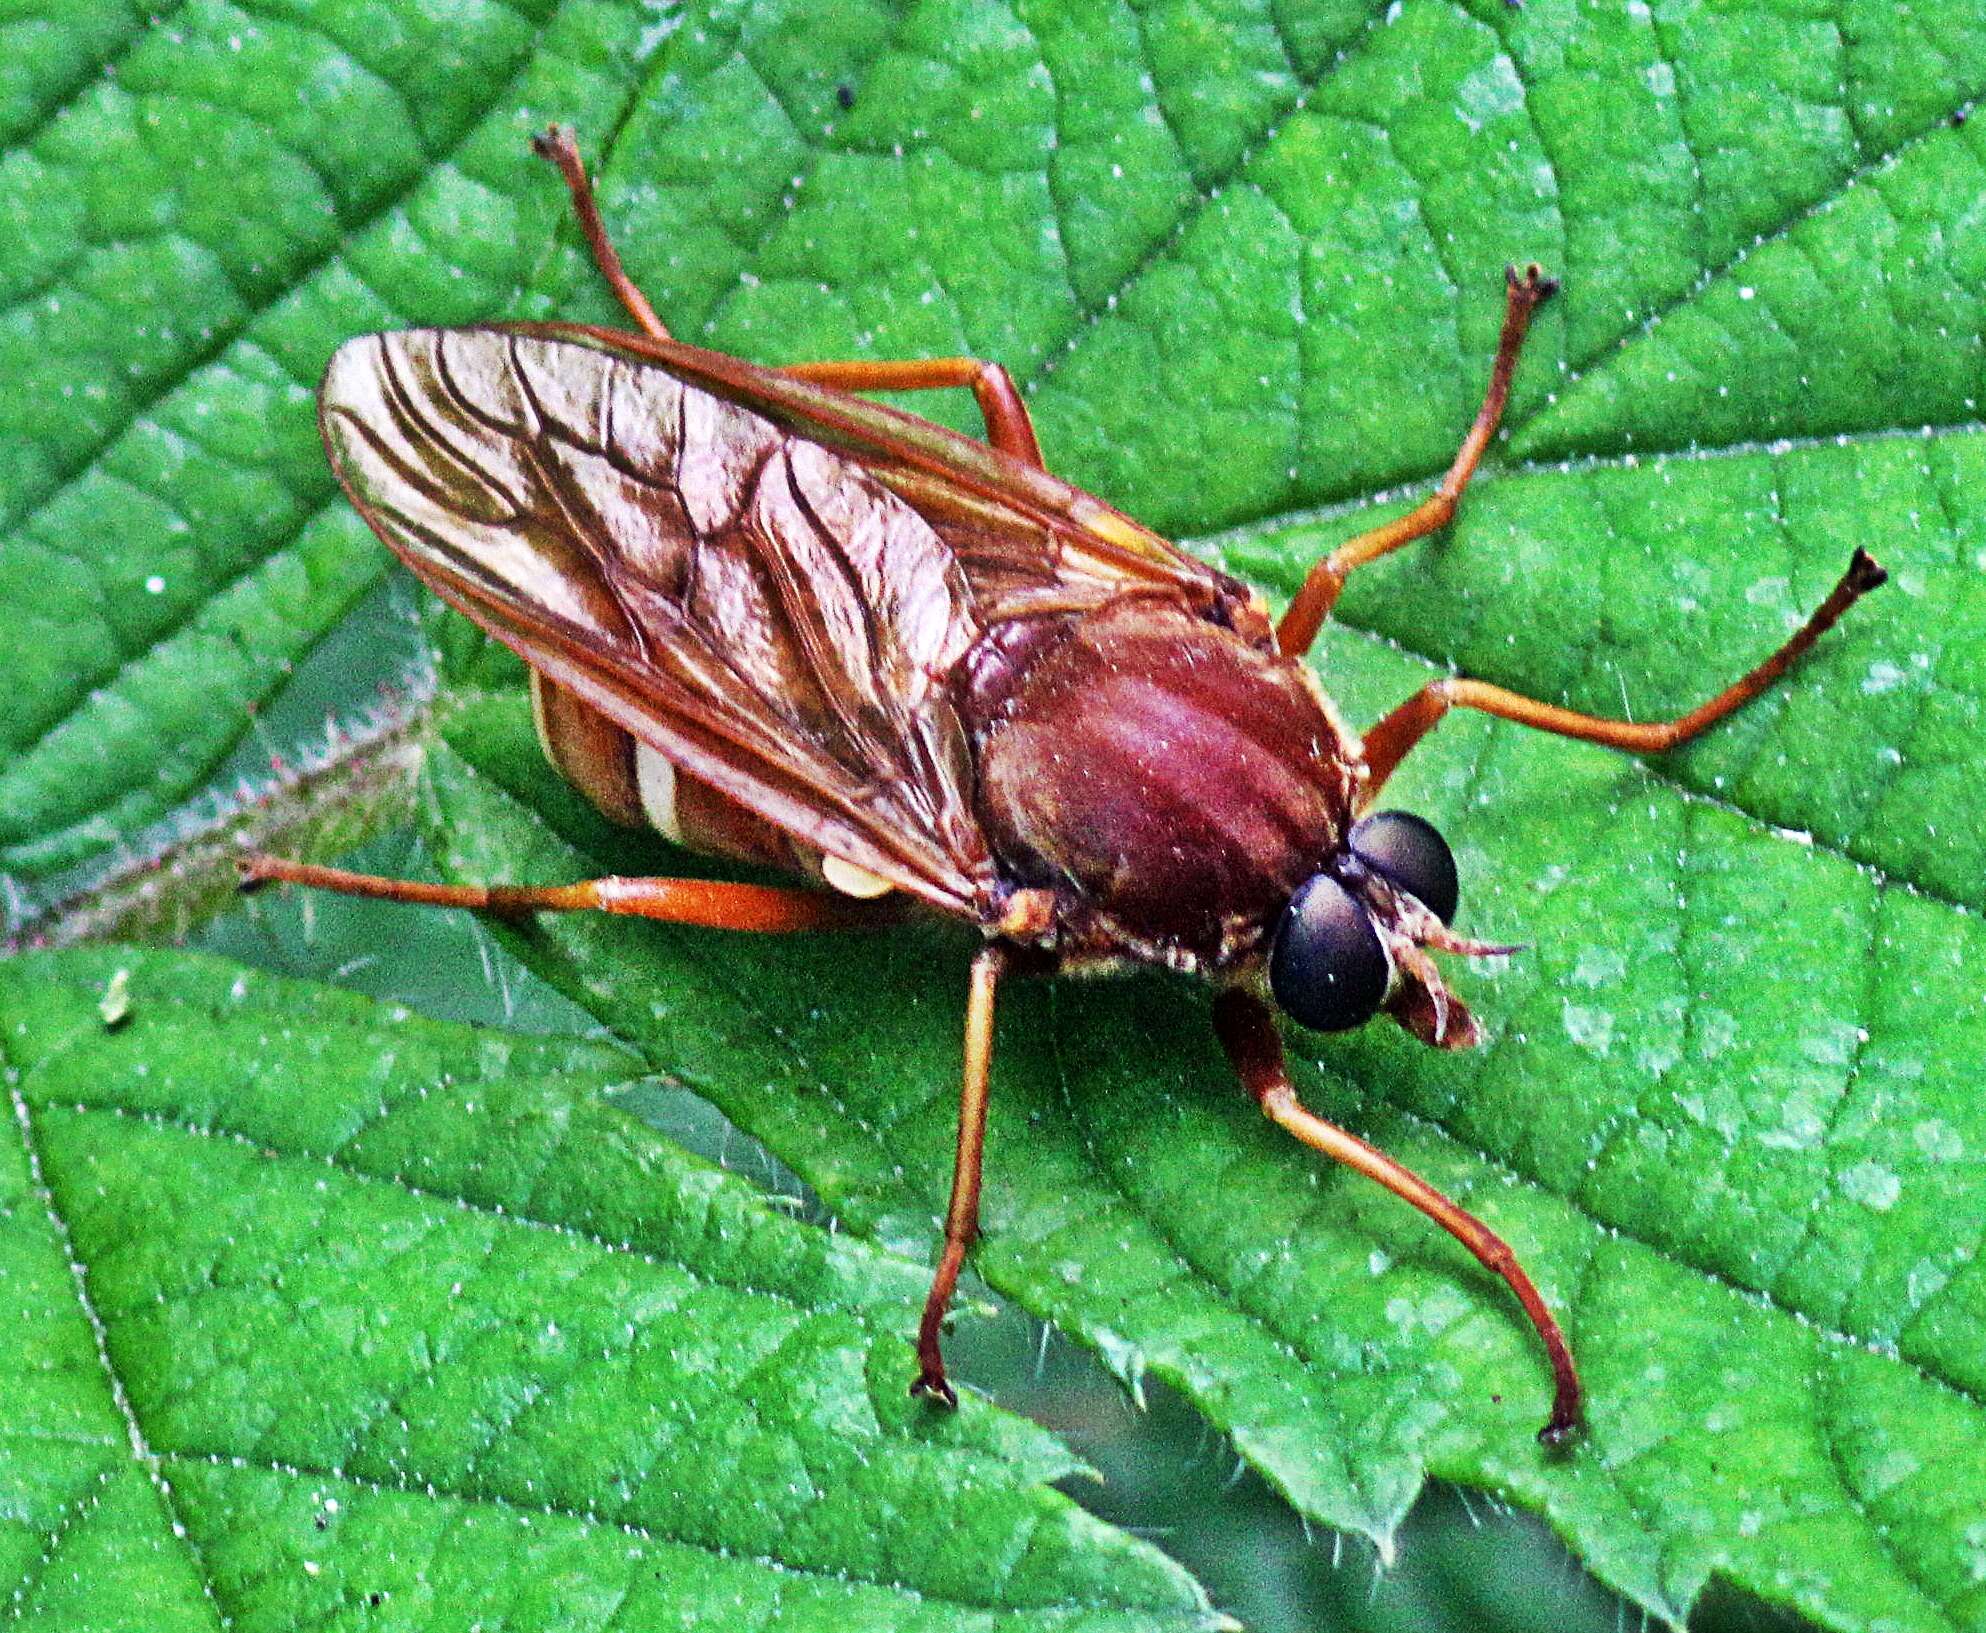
{"x":783,"y":623}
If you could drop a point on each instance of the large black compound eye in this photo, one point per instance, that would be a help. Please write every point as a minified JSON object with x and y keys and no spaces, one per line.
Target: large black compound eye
{"x":1327,"y":967}
{"x":1407,"y":851}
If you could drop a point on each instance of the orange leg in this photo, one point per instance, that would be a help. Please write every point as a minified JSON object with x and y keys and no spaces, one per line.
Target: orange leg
{"x":557,"y":145}
{"x":721,"y":906}
{"x":1247,"y":1031}
{"x":1389,"y":742}
{"x":1523,"y":295}
{"x":1008,"y":426}
{"x":962,"y":1217}
{"x":735,"y":907}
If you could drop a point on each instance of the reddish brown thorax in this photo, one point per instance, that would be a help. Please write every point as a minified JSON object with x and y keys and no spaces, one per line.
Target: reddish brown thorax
{"x":1172,"y":783}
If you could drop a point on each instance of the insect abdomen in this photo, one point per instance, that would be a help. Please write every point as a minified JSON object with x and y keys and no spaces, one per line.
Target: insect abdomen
{"x":633,"y":785}
{"x":589,"y":751}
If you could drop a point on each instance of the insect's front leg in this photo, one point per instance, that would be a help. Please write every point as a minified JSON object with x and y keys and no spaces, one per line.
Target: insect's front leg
{"x":1247,"y":1031}
{"x":1524,"y":293}
{"x":962,"y":1216}
{"x":1390,"y":741}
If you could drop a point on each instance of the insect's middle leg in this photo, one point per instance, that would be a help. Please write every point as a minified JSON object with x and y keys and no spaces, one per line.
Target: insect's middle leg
{"x":1008,"y":425}
{"x":1248,"y":1033}
{"x":1523,"y":294}
{"x":716,"y":904}
{"x":962,"y":1216}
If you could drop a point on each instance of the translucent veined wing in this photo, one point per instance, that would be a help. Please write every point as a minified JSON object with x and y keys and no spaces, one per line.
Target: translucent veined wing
{"x":1029,"y":543}
{"x":751,"y":603}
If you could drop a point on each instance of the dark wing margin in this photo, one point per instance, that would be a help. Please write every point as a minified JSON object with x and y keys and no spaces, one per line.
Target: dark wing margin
{"x":751,"y":603}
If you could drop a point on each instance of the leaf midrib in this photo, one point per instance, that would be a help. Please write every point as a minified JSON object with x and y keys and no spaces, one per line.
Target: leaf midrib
{"x":154,"y":1463}
{"x":1327,"y":512}
{"x":136,"y":1445}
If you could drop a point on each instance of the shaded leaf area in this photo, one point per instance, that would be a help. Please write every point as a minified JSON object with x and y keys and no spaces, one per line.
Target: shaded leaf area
{"x":201,"y":206}
{"x":1725,"y":1119}
{"x":322,"y":1306}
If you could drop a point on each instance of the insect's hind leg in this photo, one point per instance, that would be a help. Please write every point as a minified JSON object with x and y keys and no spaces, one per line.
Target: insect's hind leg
{"x":1524,"y":293}
{"x":1389,"y":742}
{"x":557,"y":145}
{"x":1247,"y":1031}
{"x":717,"y":904}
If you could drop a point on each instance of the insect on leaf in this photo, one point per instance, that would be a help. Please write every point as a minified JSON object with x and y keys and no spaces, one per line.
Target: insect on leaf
{"x":1246,"y":274}
{"x":1712,"y":1067}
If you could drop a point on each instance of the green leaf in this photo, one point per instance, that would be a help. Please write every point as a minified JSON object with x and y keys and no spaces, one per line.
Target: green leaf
{"x":1723,"y":1116}
{"x":322,"y":1306}
{"x":1245,"y":261}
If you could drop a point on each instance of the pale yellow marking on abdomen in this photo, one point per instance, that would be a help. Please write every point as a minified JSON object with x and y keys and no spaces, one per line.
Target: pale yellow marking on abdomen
{"x":855,"y":881}
{"x":655,"y":776}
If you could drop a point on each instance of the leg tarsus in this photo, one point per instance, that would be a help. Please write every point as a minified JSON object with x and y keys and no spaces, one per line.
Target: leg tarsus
{"x":1524,"y":293}
{"x":962,"y":1215}
{"x":1531,"y":285}
{"x":558,"y":145}
{"x":1864,"y":574}
{"x":1248,"y":1033}
{"x":1393,"y":738}
{"x":931,"y":1383}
